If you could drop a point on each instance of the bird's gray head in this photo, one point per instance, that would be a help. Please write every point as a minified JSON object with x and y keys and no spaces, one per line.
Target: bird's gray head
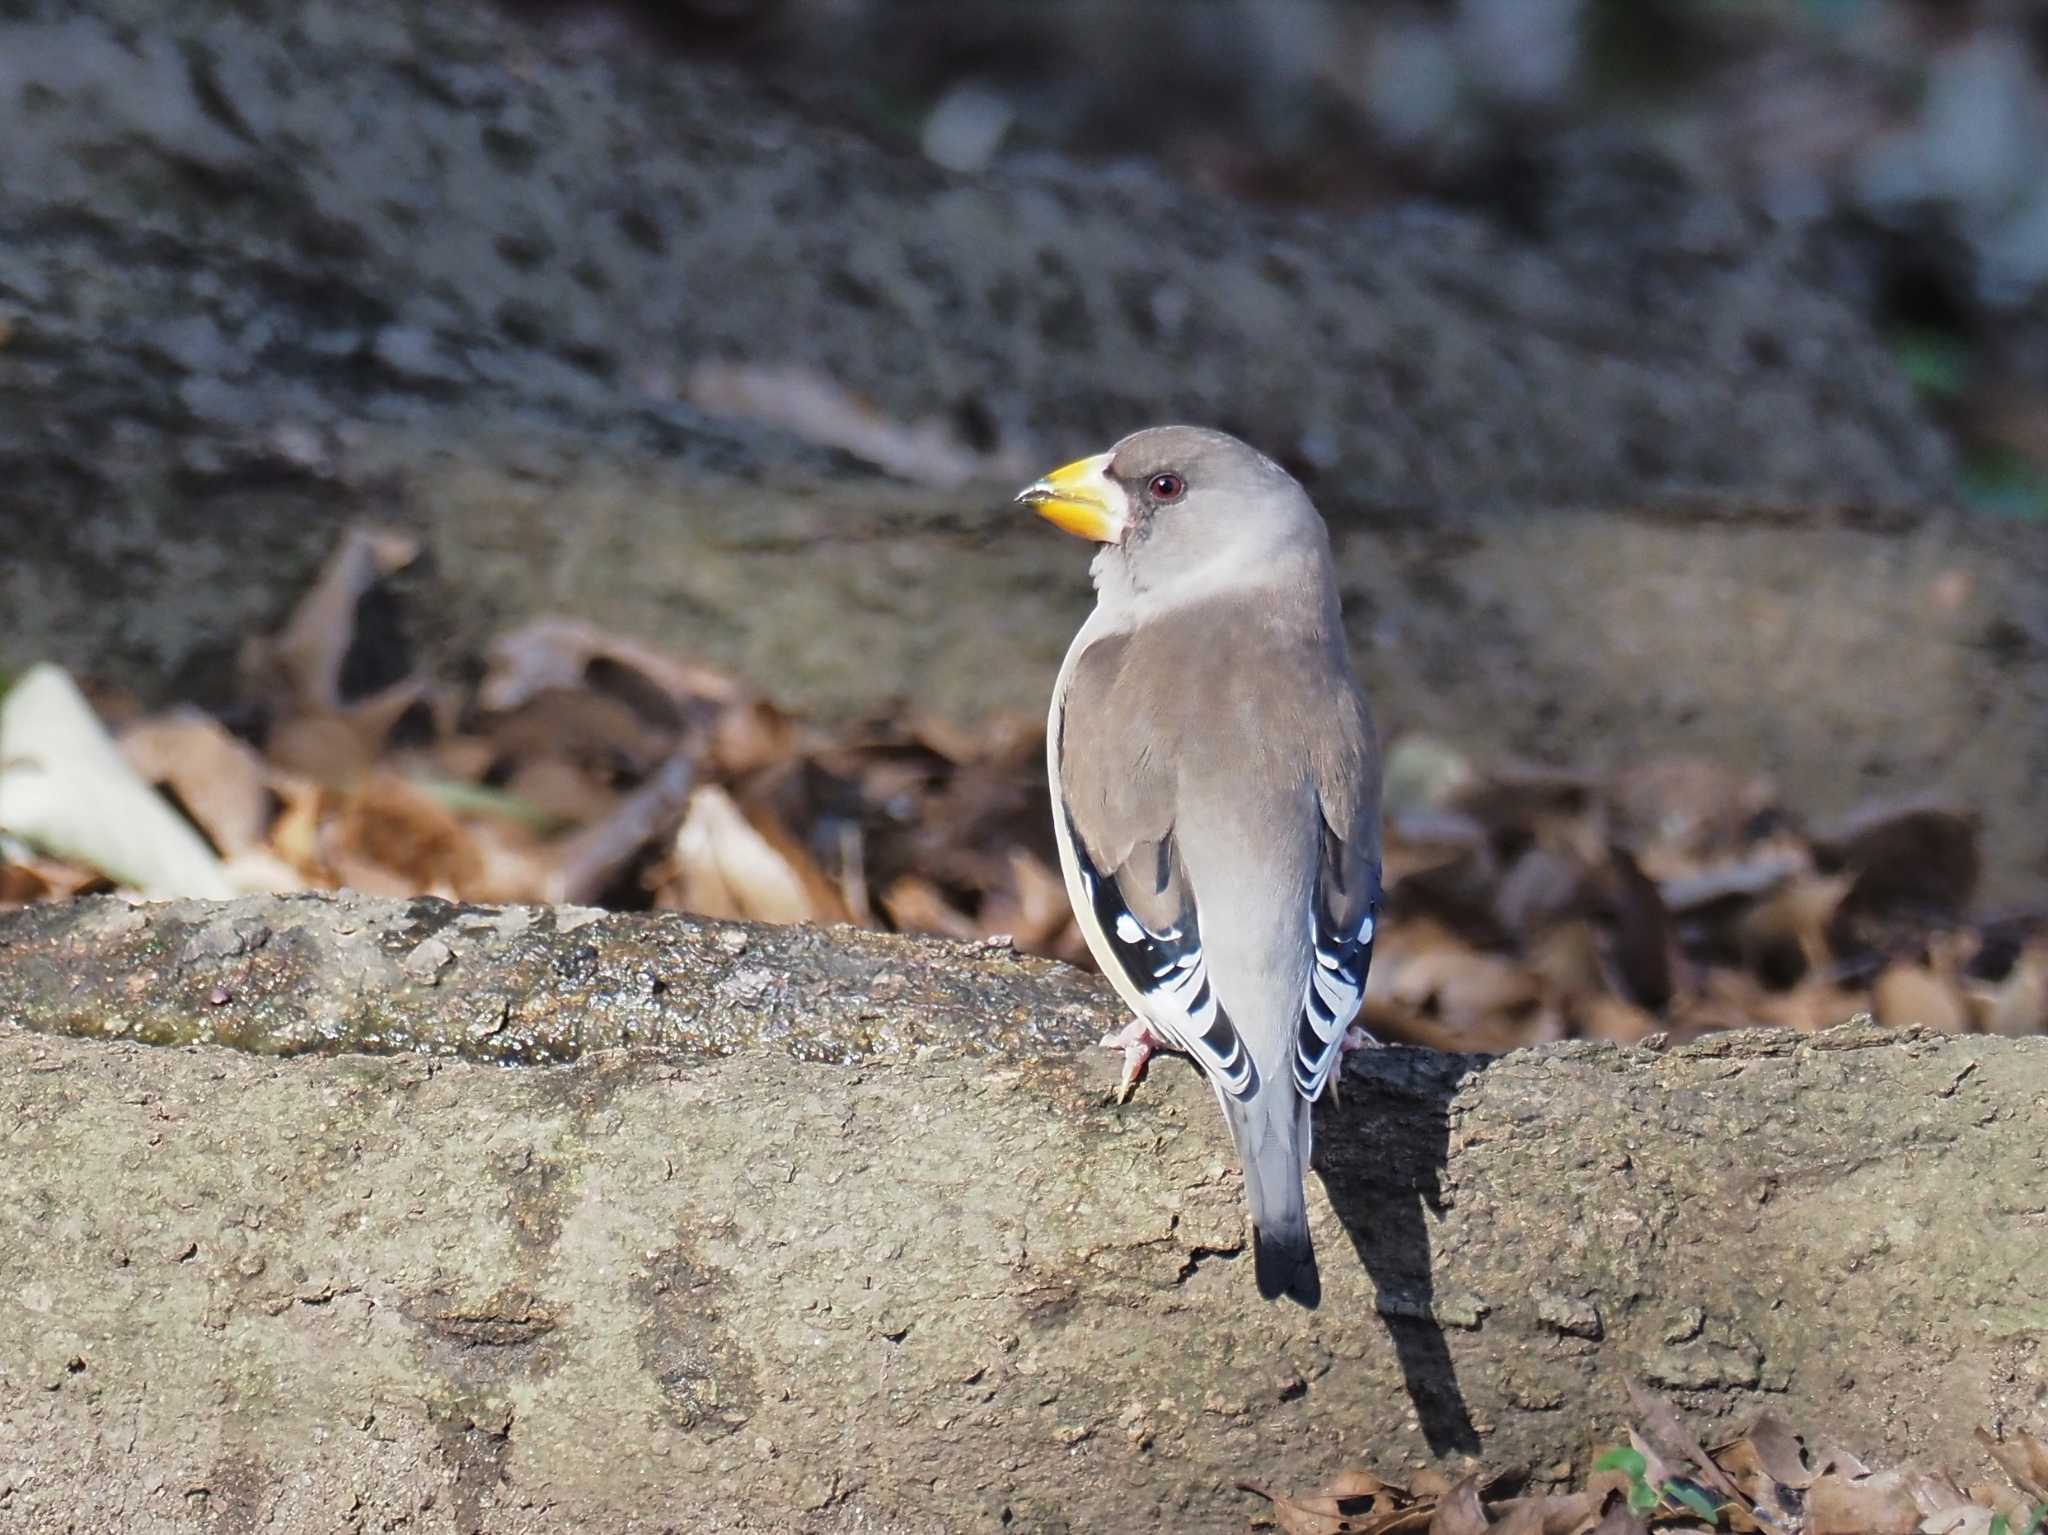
{"x":1180,"y":510}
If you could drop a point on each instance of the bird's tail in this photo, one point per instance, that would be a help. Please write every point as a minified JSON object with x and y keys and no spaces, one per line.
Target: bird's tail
{"x":1271,"y":1130}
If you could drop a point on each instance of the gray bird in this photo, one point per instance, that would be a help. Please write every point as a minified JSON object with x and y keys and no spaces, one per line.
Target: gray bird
{"x":1216,"y":792}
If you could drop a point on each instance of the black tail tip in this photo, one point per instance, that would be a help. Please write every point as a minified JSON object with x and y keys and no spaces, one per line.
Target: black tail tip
{"x":1287,"y":1266}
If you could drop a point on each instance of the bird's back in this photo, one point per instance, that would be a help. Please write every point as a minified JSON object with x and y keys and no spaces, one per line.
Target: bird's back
{"x":1241,"y":753}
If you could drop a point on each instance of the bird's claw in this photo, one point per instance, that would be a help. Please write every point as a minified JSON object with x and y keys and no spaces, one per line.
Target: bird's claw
{"x":1138,"y":1044}
{"x":1357,"y":1037}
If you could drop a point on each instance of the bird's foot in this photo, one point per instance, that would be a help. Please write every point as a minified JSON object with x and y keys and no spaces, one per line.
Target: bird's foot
{"x":1138,"y":1044}
{"x":1357,"y":1037}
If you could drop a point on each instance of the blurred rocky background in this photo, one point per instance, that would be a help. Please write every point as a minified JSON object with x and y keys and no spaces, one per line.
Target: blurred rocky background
{"x":1902,"y":143}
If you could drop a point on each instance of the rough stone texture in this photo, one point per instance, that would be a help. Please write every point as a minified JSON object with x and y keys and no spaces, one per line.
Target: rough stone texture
{"x":934,"y":1290}
{"x":522,"y":985}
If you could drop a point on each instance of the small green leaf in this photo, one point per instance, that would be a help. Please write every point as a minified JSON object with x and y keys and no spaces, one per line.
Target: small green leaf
{"x":1695,"y":1499}
{"x":2004,"y":485}
{"x":1933,"y":363}
{"x":2000,"y":1525}
{"x":2037,"y":1518}
{"x":1629,"y":1463}
{"x":1642,"y":1497}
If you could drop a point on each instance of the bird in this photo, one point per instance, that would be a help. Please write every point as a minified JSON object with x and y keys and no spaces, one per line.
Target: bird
{"x":1215,"y":784}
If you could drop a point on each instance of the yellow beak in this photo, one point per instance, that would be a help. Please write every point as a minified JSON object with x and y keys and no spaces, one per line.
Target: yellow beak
{"x":1080,"y":498}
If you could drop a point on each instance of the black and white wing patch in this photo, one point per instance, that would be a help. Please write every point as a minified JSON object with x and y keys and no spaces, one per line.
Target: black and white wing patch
{"x":1336,"y":987}
{"x":1165,"y":966}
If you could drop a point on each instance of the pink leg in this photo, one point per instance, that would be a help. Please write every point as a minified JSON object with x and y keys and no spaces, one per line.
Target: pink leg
{"x":1138,"y":1044}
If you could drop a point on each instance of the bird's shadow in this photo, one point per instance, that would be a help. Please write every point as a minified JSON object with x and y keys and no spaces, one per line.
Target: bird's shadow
{"x":1381,"y":1155}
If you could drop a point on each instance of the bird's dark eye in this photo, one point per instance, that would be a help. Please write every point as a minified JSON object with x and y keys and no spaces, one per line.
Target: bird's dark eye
{"x":1167,"y":487}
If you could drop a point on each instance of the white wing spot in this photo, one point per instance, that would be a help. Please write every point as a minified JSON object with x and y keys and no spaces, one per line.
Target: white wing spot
{"x":1127,"y":928}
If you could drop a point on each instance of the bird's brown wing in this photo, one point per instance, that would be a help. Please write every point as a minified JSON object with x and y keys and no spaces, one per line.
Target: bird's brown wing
{"x":1116,"y":792}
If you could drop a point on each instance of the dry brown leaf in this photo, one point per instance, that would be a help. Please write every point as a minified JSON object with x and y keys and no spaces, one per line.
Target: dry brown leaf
{"x":1678,"y":810}
{"x":1907,"y":994}
{"x":2023,"y":1458}
{"x":1460,"y":1512}
{"x":751,"y":734}
{"x":1452,"y":880}
{"x":513,"y":864}
{"x":725,"y":865}
{"x":1661,"y":1424}
{"x":220,"y":781}
{"x":1771,"y":1451}
{"x":1031,"y":907}
{"x":569,"y":655}
{"x":1567,"y":961}
{"x":1495,"y":1035}
{"x":1748,"y":878}
{"x":1912,"y":857}
{"x":1354,"y":1503}
{"x":599,"y":733}
{"x":20,"y":885}
{"x":261,"y":872}
{"x":1539,"y":889}
{"x":463,"y":758}
{"x":915,"y":905}
{"x":325,"y":748}
{"x":295,"y":830}
{"x":299,"y":671}
{"x":37,"y":878}
{"x":1969,"y":1519}
{"x":1785,"y":938}
{"x":1657,"y":1470}
{"x":591,"y":861}
{"x":393,"y":838}
{"x":1604,"y":1487}
{"x":2018,"y":1004}
{"x":338,"y":748}
{"x":1880,"y":1503}
{"x":374,"y":718}
{"x":1424,"y":965}
{"x":1544,"y":1514}
{"x":560,"y":791}
{"x":1515,"y":796}
{"x":1617,"y":1520}
{"x":998,"y":737}
{"x":1645,"y":947}
{"x":1945,"y":1509}
{"x":1834,"y":1458}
